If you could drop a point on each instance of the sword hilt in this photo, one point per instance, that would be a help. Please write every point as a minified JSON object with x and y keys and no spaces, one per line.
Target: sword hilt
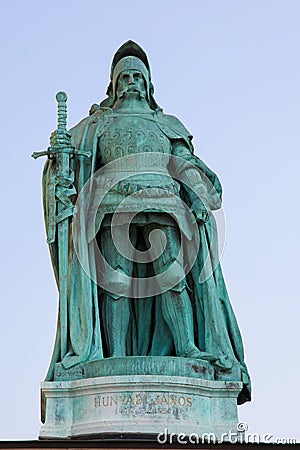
{"x":61,"y":98}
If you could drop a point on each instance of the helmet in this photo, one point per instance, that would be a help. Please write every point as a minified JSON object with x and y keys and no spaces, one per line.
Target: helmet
{"x":126,"y":63}
{"x":129,"y":56}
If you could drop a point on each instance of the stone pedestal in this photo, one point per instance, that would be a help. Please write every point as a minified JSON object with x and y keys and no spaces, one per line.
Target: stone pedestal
{"x":148,"y":404}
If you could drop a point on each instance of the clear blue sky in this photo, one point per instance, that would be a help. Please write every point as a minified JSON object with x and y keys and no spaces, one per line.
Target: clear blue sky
{"x":230,"y":70}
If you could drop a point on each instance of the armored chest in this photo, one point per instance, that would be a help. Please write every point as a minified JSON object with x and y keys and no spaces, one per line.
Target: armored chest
{"x":128,"y":134}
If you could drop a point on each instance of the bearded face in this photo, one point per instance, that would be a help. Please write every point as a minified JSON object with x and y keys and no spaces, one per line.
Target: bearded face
{"x":131,"y":84}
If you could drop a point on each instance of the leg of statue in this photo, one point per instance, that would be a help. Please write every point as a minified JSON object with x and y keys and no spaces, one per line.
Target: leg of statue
{"x":177,"y":312}
{"x":176,"y":304}
{"x":115,"y":317}
{"x":115,"y":308}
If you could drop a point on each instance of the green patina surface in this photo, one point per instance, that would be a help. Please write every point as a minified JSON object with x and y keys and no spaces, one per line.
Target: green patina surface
{"x":120,"y":263}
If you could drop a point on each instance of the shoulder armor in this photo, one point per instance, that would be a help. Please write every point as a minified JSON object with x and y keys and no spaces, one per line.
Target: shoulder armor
{"x":77,"y":130}
{"x":173,"y":127}
{"x":88,"y":123}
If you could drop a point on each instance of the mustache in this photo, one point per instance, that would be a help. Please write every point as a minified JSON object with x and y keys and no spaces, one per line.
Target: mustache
{"x":131,"y":89}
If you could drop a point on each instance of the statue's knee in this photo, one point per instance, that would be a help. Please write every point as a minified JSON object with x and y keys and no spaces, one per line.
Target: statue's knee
{"x":179,"y":287}
{"x":117,"y":283}
{"x":174,"y":280}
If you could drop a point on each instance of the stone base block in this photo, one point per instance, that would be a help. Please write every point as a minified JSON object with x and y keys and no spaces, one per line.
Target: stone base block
{"x":140,"y":405}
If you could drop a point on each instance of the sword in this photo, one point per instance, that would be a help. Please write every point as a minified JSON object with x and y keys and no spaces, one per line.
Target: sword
{"x":63,"y":189}
{"x":63,"y":170}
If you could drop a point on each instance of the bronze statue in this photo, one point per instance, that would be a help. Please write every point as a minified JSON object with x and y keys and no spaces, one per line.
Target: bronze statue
{"x":135,"y":257}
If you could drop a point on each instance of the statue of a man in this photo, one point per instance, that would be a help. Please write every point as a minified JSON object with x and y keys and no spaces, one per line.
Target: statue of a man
{"x":143,"y":208}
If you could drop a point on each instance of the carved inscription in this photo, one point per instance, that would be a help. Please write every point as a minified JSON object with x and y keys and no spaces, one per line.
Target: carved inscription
{"x":139,"y":404}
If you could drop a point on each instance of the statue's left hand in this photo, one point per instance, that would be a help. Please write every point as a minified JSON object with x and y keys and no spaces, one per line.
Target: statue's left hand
{"x":200,"y":210}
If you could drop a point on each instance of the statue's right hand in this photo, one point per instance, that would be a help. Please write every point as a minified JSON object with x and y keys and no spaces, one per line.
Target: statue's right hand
{"x":60,"y":139}
{"x":200,"y":209}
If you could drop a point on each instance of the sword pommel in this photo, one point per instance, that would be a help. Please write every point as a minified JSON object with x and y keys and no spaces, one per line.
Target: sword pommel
{"x":61,"y":96}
